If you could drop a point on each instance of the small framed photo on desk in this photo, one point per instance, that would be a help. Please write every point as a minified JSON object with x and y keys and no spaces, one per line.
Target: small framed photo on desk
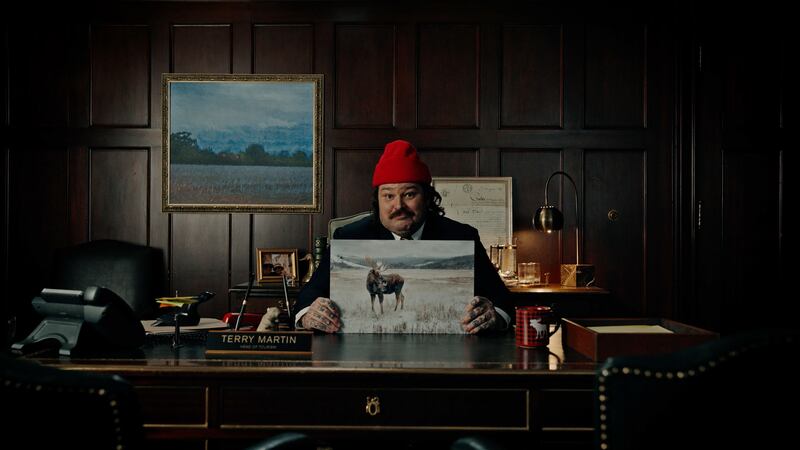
{"x":275,"y":263}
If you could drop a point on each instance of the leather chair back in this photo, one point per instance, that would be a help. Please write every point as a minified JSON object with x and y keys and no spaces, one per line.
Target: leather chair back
{"x":134,"y":272}
{"x":45,"y":407}
{"x":338,"y":222}
{"x":731,"y":394}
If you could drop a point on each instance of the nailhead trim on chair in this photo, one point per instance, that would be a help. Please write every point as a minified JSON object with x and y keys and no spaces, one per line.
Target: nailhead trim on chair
{"x":112,"y":403}
{"x":679,"y":375}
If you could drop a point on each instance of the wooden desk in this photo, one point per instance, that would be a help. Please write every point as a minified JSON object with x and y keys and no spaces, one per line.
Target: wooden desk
{"x":431,"y":389}
{"x":568,"y":301}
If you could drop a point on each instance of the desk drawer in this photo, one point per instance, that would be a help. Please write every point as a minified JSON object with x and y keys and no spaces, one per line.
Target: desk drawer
{"x":500,"y":409}
{"x":173,"y":405}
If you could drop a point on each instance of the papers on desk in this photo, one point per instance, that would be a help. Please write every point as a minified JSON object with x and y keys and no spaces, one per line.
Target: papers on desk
{"x":206,"y":323}
{"x":630,"y":329}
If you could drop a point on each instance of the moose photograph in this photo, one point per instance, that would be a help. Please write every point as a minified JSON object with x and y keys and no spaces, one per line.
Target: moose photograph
{"x":401,"y":286}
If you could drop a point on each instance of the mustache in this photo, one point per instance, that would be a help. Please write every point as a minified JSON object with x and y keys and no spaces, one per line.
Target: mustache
{"x":400,"y":212}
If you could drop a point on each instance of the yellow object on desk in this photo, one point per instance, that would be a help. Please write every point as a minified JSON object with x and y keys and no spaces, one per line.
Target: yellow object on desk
{"x":176,"y":301}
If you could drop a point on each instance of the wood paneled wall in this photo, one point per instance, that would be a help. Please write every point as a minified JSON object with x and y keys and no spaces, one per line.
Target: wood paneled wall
{"x":741,"y":174}
{"x":482,"y":90}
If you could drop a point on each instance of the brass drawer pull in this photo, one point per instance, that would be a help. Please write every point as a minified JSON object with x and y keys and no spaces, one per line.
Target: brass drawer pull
{"x":373,"y":406}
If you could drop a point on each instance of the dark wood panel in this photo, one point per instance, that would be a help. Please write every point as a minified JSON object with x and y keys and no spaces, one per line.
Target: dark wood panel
{"x":530,"y":169}
{"x":751,"y":240}
{"x":788,"y":90}
{"x":615,"y":180}
{"x":365,"y":82}
{"x":323,"y":63}
{"x":119,"y":183}
{"x":752,"y":85}
{"x":78,"y":194}
{"x":283,"y":231}
{"x":120,"y":62}
{"x":615,"y":76}
{"x":39,"y":75}
{"x":200,"y":242}
{"x":448,"y":60}
{"x":173,"y":404}
{"x":7,"y":325}
{"x":199,"y":258}
{"x":574,"y":48}
{"x":450,"y":162}
{"x":241,"y":253}
{"x":443,"y":408}
{"x":353,"y":180}
{"x":283,"y":48}
{"x":201,"y":49}
{"x":38,"y":224}
{"x":533,"y":85}
{"x":158,"y":228}
{"x":662,"y":234}
{"x":405,"y":73}
{"x":564,"y":408}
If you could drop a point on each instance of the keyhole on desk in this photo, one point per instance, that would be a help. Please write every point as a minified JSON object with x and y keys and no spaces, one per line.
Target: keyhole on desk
{"x":373,"y":406}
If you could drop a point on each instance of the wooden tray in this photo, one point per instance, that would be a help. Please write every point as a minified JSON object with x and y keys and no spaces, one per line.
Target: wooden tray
{"x":599,"y":345}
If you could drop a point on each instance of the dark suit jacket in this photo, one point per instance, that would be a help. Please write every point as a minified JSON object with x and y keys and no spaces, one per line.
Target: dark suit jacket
{"x":487,"y":282}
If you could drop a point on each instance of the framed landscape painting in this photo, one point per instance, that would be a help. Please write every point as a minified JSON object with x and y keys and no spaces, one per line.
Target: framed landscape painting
{"x":242,"y":143}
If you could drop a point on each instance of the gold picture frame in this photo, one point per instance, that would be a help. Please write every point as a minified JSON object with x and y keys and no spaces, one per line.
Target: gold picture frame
{"x":273,"y":263}
{"x":242,"y":143}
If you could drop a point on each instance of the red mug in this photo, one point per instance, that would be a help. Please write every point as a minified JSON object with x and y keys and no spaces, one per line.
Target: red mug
{"x":533,"y":325}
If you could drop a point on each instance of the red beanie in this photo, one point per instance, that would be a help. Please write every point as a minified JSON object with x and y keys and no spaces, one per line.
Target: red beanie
{"x":400,"y":163}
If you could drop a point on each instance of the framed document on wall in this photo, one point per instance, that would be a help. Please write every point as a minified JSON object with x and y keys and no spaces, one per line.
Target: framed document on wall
{"x":483,"y":202}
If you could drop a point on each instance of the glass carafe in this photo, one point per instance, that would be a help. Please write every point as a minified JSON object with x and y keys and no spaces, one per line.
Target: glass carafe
{"x":508,"y":260}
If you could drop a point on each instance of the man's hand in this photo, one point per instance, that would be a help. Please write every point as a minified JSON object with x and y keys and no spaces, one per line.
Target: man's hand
{"x":322,"y":315}
{"x":481,"y":315}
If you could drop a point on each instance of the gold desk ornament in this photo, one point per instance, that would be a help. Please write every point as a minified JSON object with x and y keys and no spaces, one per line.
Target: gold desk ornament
{"x":314,"y":258}
{"x":577,"y":275}
{"x":373,"y":407}
{"x":311,"y":267}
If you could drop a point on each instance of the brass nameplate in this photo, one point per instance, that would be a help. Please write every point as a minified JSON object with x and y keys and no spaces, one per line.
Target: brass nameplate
{"x":259,"y":342}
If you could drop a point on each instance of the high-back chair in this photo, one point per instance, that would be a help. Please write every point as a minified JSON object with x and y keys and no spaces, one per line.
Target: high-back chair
{"x":50,"y":408}
{"x":134,"y":272}
{"x":338,"y":222}
{"x":45,"y":407}
{"x":735,"y":393}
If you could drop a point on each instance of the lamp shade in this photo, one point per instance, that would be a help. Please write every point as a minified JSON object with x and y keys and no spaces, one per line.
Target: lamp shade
{"x":548,"y":218}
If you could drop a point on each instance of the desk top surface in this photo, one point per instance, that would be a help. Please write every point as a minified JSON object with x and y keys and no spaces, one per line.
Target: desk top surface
{"x":271,"y":288}
{"x":354,"y":353}
{"x":554,"y":288}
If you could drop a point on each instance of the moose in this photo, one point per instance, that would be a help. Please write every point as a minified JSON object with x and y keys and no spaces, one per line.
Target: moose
{"x":378,"y":284}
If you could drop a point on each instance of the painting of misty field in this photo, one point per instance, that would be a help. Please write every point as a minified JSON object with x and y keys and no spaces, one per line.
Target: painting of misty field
{"x":244,"y":142}
{"x":434,"y":280}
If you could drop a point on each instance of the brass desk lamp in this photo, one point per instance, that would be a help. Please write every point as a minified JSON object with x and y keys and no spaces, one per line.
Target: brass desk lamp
{"x":548,"y":218}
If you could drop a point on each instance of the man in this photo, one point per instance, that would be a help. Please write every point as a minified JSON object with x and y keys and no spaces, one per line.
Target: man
{"x":405,"y":206}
